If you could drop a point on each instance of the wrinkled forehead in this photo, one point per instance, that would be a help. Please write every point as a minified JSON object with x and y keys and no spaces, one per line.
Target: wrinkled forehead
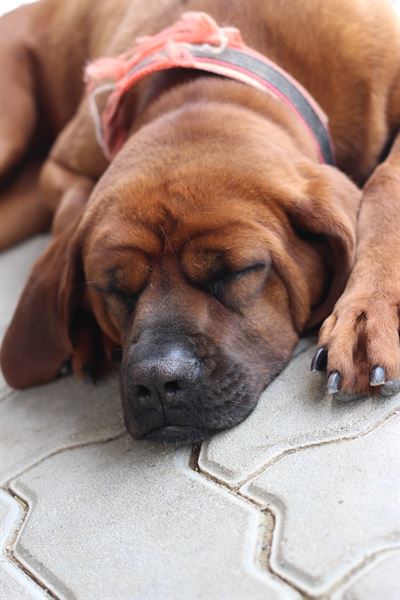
{"x":203,"y":238}
{"x":207,"y":238}
{"x":169,"y":213}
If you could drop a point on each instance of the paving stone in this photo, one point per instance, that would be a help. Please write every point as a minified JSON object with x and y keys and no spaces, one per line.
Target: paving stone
{"x":303,"y":345}
{"x":15,"y":266}
{"x":14,"y":584}
{"x":44,"y":419}
{"x":292,"y":413}
{"x":379,"y":581}
{"x":127,"y":520}
{"x":335,"y":505}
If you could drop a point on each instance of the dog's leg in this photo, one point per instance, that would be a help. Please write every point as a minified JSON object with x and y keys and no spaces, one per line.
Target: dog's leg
{"x":18,"y":106}
{"x":22,"y":213}
{"x":361,"y":336}
{"x":40,"y":60}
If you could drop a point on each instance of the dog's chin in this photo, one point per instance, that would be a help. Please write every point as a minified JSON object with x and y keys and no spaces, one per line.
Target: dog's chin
{"x":208,"y":410}
{"x":177,"y":435}
{"x":155,"y":429}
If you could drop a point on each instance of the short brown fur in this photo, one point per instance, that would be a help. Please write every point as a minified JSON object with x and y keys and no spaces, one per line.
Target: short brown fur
{"x":211,"y":168}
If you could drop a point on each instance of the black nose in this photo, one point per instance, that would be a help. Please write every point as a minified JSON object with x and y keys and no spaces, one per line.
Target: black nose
{"x":165,"y":379}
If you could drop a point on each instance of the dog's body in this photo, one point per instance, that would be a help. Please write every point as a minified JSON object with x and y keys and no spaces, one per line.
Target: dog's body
{"x":215,"y":237}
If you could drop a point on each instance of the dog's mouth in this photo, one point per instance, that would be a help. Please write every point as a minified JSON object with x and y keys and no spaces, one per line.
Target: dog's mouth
{"x":173,"y":396}
{"x":176,"y":434}
{"x":190,"y":421}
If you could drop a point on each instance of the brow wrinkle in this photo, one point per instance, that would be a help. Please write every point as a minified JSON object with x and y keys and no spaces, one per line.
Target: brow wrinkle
{"x":166,"y":238}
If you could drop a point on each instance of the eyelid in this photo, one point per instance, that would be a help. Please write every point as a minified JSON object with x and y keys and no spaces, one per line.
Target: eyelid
{"x":259,"y":266}
{"x":114,"y":290}
{"x":245,"y":271}
{"x":216,"y":285}
{"x":98,"y":288}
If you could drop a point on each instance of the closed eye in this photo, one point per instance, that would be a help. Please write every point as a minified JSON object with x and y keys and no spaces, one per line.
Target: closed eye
{"x":257,"y":267}
{"x":222,"y":280}
{"x":112,"y":291}
{"x":225,"y":277}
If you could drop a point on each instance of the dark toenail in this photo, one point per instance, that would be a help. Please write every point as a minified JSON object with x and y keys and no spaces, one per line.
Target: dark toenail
{"x":65,"y":369}
{"x":319,"y":360}
{"x":88,"y":376}
{"x":378,"y":376}
{"x":333,"y":383}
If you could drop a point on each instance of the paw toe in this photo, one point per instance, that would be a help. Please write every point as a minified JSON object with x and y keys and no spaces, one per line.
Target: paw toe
{"x":348,"y":397}
{"x":390,"y":388}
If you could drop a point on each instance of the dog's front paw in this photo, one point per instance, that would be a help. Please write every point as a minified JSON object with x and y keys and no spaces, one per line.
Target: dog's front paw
{"x":359,"y":345}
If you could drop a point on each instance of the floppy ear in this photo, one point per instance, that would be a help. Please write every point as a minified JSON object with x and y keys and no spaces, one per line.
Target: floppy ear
{"x":326,"y":214}
{"x":37,"y":341}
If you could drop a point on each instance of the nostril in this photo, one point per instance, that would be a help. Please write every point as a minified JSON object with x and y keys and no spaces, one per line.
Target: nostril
{"x":171,"y":387}
{"x":142,"y":391}
{"x":147,"y":398}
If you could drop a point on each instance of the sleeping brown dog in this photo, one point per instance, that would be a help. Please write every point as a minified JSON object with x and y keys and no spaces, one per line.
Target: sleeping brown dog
{"x":215,"y":237}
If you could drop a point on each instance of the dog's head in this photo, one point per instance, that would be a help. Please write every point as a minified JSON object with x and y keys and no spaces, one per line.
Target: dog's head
{"x":204,"y":252}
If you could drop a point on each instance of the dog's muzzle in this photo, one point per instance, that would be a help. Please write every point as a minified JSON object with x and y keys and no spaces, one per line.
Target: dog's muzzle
{"x":159,"y":383}
{"x":183,"y":388}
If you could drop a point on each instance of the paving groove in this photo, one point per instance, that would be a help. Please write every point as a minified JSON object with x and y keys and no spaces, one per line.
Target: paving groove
{"x":65,"y":448}
{"x":9,"y":549}
{"x":268,"y":535}
{"x":285,"y":453}
{"x":264,"y":513}
{"x":293,"y":414}
{"x":278,"y":504}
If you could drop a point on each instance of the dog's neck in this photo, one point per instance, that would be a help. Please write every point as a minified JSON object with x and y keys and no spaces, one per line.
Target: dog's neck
{"x":154,"y":100}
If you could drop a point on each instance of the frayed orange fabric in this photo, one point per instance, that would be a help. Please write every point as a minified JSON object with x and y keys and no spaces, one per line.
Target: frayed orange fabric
{"x":192,"y":28}
{"x":178,"y":46}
